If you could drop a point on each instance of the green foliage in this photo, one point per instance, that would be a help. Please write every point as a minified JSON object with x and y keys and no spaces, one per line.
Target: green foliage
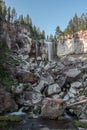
{"x":3,"y":124}
{"x":10,"y":15}
{"x":25,"y":85}
{"x":58,"y":32}
{"x":80,"y":124}
{"x":10,"y":118}
{"x":76,"y":24}
{"x":5,"y":75}
{"x":7,"y":121}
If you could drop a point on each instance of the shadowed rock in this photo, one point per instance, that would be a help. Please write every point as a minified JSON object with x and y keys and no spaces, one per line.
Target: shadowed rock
{"x":7,"y":103}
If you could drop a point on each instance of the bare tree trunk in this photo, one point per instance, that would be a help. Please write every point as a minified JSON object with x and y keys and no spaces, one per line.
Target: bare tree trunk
{"x":77,"y":103}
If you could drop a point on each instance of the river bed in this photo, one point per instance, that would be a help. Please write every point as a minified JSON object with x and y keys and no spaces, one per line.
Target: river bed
{"x":40,"y":123}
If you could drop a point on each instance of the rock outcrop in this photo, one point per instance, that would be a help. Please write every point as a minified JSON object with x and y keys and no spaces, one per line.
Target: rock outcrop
{"x":76,"y":43}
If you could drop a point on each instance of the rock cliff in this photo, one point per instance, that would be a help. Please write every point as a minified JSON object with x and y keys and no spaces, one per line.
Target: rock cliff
{"x":76,"y":43}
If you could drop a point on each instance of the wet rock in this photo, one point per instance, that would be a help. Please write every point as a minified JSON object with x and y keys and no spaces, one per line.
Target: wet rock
{"x":7,"y":103}
{"x":52,"y":108}
{"x":53,"y":89}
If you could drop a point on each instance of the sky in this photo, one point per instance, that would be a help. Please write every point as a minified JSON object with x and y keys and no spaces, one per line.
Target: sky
{"x":48,"y":14}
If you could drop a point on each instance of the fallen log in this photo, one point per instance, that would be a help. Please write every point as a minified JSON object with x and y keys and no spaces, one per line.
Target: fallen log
{"x":77,"y":103}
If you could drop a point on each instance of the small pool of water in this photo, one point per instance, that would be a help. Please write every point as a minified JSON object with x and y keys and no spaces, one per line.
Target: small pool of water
{"x":37,"y":124}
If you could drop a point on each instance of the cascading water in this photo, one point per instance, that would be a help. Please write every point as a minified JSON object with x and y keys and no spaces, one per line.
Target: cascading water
{"x":49,"y":46}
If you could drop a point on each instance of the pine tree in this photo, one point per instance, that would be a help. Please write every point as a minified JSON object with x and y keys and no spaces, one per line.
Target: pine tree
{"x":43,"y":35}
{"x":58,"y":32}
{"x":9,"y":14}
{"x":13,"y":15}
{"x":21,"y":19}
{"x":83,"y":22}
{"x":75,"y":23}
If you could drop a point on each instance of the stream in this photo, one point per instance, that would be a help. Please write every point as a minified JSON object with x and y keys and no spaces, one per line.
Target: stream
{"x":40,"y":123}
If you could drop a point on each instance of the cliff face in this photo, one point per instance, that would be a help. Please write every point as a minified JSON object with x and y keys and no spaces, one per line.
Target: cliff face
{"x":19,"y":40}
{"x":76,"y":44}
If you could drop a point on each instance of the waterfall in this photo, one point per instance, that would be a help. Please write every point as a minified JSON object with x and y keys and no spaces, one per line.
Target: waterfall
{"x":19,"y":112}
{"x":49,"y":47}
{"x":36,"y":49}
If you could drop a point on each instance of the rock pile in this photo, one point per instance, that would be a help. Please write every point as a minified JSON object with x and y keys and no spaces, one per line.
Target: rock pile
{"x":65,"y":79}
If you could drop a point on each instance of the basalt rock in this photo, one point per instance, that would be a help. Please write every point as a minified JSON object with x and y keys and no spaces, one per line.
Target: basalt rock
{"x":7,"y":103}
{"x":26,"y":76}
{"x":52,"y":108}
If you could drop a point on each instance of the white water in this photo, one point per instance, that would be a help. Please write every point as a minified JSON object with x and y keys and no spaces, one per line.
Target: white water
{"x":49,"y":46}
{"x":18,"y":113}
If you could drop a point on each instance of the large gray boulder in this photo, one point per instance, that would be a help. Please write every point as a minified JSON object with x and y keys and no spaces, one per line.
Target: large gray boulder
{"x":72,"y":74}
{"x":52,"y":108}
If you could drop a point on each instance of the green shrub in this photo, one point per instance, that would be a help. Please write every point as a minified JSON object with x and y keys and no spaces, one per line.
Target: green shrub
{"x":80,"y":124}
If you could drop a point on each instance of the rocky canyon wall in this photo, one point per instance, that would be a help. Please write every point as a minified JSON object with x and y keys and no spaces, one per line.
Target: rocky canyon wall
{"x":76,"y":43}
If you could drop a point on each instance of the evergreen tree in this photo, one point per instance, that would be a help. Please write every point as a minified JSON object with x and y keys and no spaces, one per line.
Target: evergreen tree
{"x":83,"y":22}
{"x":26,"y":20}
{"x":21,"y":19}
{"x":13,"y":15}
{"x":9,"y":14}
{"x":43,"y":35}
{"x":51,"y":37}
{"x":58,"y":32}
{"x":75,"y":23}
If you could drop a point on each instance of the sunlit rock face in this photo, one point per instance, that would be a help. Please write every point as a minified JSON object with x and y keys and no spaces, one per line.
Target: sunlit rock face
{"x":76,"y":43}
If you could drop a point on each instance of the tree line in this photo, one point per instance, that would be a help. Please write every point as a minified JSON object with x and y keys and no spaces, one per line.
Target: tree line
{"x":9,"y":15}
{"x":74,"y":25}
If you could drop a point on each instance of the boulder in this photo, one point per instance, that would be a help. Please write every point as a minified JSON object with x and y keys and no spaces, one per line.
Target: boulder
{"x":76,"y":85}
{"x":32,"y":96}
{"x":18,"y":89}
{"x":52,"y":108}
{"x":61,"y":80}
{"x":26,"y":76}
{"x":72,"y":74}
{"x":41,"y":86}
{"x":53,"y":89}
{"x":7,"y":103}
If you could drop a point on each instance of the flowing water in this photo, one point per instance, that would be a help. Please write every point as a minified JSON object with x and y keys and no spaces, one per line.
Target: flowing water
{"x":49,"y":46}
{"x":37,"y":124}
{"x":41,"y":124}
